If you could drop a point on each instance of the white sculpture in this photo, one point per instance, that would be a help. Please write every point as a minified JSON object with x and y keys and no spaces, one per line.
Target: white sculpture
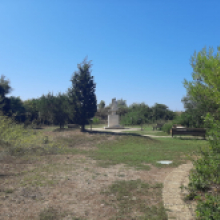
{"x":114,"y":106}
{"x":113,"y":119}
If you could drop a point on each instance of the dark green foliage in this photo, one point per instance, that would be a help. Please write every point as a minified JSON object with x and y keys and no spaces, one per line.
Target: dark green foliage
{"x":195,"y":110}
{"x":82,"y":96}
{"x":101,"y":104}
{"x":5,"y":88}
{"x":121,"y":103}
{"x":166,"y":127}
{"x":96,"y":120}
{"x":142,"y":112}
{"x":209,"y":208}
{"x":32,"y":109}
{"x":17,"y":109}
{"x":59,"y":109}
{"x":204,"y":101}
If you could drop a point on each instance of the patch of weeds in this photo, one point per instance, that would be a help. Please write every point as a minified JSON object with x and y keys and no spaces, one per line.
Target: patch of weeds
{"x":121,"y":175}
{"x":9,"y":190}
{"x":76,"y":218}
{"x":134,"y":196}
{"x":155,"y":213}
{"x":36,"y":177}
{"x":49,"y":214}
{"x":52,"y":214}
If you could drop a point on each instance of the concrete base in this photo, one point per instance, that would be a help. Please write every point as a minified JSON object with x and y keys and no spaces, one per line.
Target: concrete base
{"x":113,"y":122}
{"x":114,"y":127}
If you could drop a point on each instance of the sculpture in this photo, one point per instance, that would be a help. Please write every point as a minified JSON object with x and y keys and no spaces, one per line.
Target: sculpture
{"x":114,"y":106}
{"x":113,"y":119}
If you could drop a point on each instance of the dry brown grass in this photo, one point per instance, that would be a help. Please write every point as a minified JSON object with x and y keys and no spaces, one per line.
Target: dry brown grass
{"x":72,"y":185}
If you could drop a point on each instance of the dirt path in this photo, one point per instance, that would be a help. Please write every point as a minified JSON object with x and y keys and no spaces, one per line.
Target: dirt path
{"x":172,"y":194}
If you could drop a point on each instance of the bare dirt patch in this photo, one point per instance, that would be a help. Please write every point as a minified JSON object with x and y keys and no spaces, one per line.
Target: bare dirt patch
{"x":74,"y":191}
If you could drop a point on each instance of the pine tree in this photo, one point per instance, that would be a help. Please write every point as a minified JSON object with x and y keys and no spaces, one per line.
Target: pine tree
{"x":82,"y":96}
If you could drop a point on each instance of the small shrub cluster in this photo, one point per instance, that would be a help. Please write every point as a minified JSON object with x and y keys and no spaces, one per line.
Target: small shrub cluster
{"x":15,"y":140}
{"x":166,"y":127}
{"x":96,"y":120}
{"x":204,"y":176}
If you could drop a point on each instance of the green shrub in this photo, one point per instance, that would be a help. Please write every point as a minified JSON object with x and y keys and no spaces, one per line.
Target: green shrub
{"x":166,"y":127}
{"x":96,"y":120}
{"x":209,"y":209}
{"x":16,"y":140}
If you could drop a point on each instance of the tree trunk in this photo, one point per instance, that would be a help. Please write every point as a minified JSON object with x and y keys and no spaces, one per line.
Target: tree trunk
{"x":82,"y":128}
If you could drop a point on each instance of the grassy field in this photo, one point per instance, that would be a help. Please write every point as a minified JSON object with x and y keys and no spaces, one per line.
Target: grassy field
{"x":48,"y":169}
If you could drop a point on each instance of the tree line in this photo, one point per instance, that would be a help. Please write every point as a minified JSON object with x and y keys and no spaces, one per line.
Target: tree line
{"x":137,"y":113}
{"x":76,"y":106}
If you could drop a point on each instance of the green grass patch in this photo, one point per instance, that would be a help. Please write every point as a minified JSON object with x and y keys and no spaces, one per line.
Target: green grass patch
{"x":135,"y":151}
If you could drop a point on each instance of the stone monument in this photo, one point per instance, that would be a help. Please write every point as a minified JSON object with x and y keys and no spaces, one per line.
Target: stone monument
{"x":113,"y":119}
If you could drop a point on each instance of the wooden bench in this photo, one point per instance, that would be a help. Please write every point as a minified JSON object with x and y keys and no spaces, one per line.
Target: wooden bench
{"x":158,"y":126}
{"x":73,"y":126}
{"x":189,"y":131}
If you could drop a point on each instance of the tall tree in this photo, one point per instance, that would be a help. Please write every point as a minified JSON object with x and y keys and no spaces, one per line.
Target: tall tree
{"x":45,"y":108}
{"x":206,"y":82}
{"x":206,"y":172}
{"x":32,"y":108}
{"x":17,"y":108}
{"x":5,"y":89}
{"x":60,"y":109}
{"x":101,"y":104}
{"x":82,"y":94}
{"x":122,"y":103}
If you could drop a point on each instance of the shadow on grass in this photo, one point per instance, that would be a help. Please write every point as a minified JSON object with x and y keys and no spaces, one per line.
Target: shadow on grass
{"x":37,"y":128}
{"x":117,"y":134}
{"x":190,"y":138}
{"x":65,"y":129}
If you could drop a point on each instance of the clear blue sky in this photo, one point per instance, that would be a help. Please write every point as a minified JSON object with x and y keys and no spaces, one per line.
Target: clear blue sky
{"x":140,"y":49}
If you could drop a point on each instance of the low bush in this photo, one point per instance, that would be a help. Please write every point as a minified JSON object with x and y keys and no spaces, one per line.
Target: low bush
{"x":166,"y":127}
{"x":16,"y":140}
{"x":209,"y":208}
{"x":96,"y":120}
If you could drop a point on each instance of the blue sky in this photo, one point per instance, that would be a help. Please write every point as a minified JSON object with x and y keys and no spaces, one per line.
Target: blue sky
{"x":140,"y":49}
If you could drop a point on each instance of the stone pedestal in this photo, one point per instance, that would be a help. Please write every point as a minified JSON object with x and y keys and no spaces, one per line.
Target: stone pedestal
{"x":113,"y":121}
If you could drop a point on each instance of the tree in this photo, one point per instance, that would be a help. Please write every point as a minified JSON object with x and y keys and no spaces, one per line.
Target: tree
{"x":17,"y":108}
{"x":32,"y":109}
{"x":101,"y":105}
{"x":45,"y":107}
{"x":160,"y":111}
{"x":206,"y":90}
{"x":5,"y":88}
{"x":60,"y":109}
{"x":82,"y":94}
{"x":122,"y":103}
{"x":206,"y":84}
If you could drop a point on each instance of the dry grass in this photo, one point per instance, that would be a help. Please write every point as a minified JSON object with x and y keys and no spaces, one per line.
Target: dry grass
{"x":75,"y":190}
{"x":72,"y":185}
